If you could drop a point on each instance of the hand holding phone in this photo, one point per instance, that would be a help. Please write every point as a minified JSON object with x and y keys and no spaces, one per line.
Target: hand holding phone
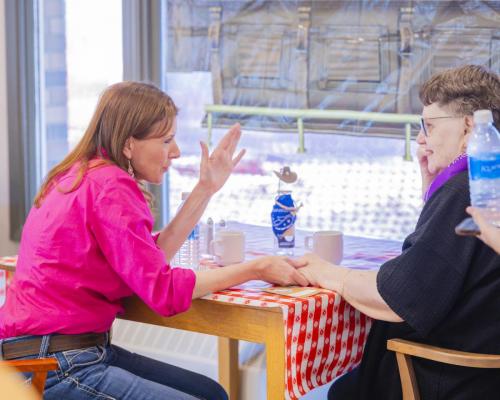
{"x":467,"y":228}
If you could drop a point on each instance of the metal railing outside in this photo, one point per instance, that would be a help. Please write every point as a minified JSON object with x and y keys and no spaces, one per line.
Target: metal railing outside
{"x":301,"y":114}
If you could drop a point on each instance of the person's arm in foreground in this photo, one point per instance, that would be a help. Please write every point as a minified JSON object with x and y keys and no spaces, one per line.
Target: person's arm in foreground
{"x":214,"y":172}
{"x":274,"y":269}
{"x":358,"y":288}
{"x":490,"y":234}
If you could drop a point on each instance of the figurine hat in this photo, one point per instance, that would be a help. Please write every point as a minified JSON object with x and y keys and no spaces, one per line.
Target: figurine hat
{"x":286,"y":175}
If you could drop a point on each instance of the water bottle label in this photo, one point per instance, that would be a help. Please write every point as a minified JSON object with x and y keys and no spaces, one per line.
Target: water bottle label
{"x":481,"y":168}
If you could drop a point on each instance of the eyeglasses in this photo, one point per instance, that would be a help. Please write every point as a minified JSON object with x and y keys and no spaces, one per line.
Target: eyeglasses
{"x":424,"y":127}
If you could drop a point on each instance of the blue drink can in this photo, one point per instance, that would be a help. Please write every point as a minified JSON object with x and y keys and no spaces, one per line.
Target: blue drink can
{"x":283,"y":218}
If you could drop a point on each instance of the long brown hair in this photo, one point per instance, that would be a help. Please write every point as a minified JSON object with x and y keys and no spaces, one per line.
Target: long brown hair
{"x":124,"y":110}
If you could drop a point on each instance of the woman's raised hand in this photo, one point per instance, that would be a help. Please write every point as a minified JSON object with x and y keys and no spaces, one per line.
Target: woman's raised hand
{"x":216,"y":167}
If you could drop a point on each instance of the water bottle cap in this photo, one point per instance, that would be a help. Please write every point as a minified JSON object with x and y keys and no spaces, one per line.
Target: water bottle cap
{"x":483,"y":117}
{"x":185,"y":195}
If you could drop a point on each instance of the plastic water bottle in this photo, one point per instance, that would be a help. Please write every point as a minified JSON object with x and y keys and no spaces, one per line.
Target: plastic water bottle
{"x":188,"y":255}
{"x":208,"y":235}
{"x":484,"y":166}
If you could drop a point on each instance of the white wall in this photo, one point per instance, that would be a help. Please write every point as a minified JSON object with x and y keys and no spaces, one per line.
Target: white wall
{"x":7,"y":247}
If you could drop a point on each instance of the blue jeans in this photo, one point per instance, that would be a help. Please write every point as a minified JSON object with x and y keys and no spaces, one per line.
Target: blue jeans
{"x":111,"y":372}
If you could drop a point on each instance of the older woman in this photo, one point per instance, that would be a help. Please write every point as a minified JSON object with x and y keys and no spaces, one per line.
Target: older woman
{"x":443,"y":289}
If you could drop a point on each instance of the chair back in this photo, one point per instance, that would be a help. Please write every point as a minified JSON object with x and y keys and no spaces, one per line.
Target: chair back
{"x":405,"y":350}
{"x":38,"y":367}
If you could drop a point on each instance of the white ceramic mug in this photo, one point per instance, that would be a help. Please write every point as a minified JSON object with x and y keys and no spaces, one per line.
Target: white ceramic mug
{"x":228,"y":247}
{"x":329,"y":245}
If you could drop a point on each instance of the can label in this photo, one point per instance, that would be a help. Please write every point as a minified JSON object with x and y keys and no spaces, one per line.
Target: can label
{"x":283,"y":218}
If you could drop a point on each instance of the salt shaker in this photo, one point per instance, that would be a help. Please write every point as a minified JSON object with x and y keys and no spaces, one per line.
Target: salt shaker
{"x":221,"y":226}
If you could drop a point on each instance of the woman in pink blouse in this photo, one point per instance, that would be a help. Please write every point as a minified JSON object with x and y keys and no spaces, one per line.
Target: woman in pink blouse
{"x":87,"y":244}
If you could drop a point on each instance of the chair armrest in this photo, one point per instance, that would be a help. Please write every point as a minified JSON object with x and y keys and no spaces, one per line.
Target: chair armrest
{"x":446,"y":356}
{"x":7,"y":268}
{"x":38,"y":367}
{"x":34,"y":365}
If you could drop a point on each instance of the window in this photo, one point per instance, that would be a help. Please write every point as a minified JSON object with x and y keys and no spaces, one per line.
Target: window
{"x":244,"y":54}
{"x":271,"y":54}
{"x":72,"y":51}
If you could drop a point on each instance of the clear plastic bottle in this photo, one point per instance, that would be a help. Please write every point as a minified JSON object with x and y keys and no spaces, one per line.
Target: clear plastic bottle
{"x":484,"y":166}
{"x":188,"y":255}
{"x":209,"y":235}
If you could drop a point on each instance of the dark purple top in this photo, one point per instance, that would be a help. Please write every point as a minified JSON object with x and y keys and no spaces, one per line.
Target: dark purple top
{"x":458,"y":165}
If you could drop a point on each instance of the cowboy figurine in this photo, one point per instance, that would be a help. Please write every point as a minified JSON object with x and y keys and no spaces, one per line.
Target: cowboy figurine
{"x":284,"y":212}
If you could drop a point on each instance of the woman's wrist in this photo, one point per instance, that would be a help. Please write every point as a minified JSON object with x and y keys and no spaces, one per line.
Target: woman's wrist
{"x":203,"y":190}
{"x":256,"y":268}
{"x":335,"y":280}
{"x":344,"y":282}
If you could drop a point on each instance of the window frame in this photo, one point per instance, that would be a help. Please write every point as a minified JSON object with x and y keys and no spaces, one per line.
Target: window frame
{"x":144,"y":59}
{"x":144,"y":50}
{"x":23,"y":122}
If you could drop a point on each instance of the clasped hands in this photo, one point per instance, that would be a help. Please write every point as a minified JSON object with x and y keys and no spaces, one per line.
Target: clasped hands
{"x":308,"y":270}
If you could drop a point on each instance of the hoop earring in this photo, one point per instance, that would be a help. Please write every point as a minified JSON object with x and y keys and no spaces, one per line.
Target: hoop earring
{"x":130,"y":170}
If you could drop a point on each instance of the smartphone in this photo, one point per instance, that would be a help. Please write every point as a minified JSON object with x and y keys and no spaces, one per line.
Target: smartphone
{"x":467,"y":228}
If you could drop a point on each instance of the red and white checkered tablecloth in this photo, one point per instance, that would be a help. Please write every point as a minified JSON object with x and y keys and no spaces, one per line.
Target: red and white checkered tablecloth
{"x":8,"y":262}
{"x":324,"y":335}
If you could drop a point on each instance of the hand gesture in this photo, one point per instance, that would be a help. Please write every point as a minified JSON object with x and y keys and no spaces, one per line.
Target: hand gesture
{"x":490,"y":234}
{"x":281,"y":271}
{"x":317,"y":271}
{"x":216,"y":167}
{"x":427,"y":176}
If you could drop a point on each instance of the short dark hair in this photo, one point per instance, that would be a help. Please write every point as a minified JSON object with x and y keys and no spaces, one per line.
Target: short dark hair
{"x":464,"y":90}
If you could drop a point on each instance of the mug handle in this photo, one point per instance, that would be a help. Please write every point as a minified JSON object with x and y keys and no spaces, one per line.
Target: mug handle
{"x":307,"y":242}
{"x":212,"y":247}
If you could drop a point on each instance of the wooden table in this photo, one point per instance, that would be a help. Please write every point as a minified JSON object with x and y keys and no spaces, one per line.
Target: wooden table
{"x":9,"y":268}
{"x":231,"y":322}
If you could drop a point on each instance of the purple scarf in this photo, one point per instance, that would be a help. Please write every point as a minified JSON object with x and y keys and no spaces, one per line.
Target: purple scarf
{"x":458,"y":165}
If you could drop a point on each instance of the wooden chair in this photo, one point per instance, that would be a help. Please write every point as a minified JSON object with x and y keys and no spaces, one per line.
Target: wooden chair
{"x":38,"y":367}
{"x":404,"y":349}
